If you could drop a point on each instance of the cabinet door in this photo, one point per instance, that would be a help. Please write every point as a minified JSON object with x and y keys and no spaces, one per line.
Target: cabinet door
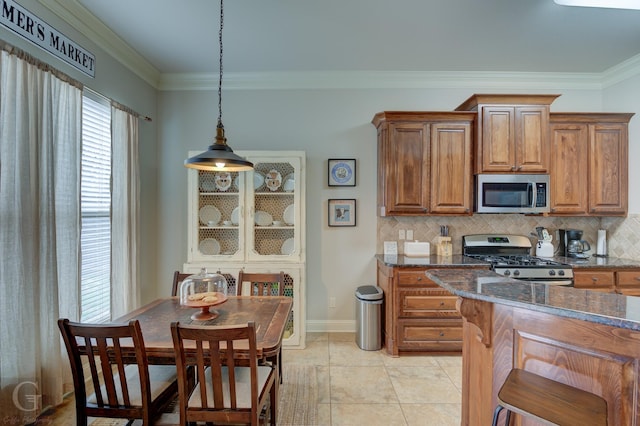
{"x":216,"y":224}
{"x":407,"y":169}
{"x":451,"y":174}
{"x":532,"y":139}
{"x":608,"y":190}
{"x":569,"y":169}
{"x":274,"y":221}
{"x":497,"y":149}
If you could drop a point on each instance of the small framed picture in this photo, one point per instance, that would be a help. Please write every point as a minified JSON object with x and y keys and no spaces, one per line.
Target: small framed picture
{"x":342,"y":212}
{"x":342,"y":172}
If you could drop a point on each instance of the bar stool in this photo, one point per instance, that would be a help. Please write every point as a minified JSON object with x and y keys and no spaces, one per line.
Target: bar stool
{"x":548,"y":401}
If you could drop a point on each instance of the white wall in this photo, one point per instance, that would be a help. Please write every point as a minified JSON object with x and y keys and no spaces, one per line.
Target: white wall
{"x":326,"y":124}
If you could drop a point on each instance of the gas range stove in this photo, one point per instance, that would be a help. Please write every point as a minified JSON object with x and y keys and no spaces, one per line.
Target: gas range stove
{"x":509,"y":256}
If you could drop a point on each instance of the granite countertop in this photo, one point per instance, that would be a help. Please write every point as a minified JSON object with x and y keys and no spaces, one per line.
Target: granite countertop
{"x":457,"y":260}
{"x":604,"y":308}
{"x":598,"y":262}
{"x":460,"y":260}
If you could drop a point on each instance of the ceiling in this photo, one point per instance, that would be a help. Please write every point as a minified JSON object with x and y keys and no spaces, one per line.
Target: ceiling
{"x":372,"y":35}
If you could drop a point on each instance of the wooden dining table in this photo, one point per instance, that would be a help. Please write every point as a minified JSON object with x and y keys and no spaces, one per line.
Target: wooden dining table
{"x":270,"y":315}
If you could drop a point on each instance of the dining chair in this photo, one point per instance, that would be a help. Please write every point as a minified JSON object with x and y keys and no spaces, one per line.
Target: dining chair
{"x":123,"y":384}
{"x":226,"y":389}
{"x":264,"y":284}
{"x":261,"y":284}
{"x":178,"y":277}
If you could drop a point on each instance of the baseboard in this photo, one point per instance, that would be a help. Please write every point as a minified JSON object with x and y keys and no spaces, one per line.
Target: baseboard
{"x":331,"y":326}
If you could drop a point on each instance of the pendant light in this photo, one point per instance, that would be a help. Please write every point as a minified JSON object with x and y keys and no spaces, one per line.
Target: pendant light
{"x":219,"y":156}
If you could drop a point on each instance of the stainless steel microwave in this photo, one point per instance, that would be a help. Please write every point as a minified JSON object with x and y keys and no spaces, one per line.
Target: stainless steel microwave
{"x":513,"y":193}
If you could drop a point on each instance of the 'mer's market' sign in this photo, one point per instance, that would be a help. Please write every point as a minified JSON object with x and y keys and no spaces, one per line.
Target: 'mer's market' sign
{"x":26,"y":24}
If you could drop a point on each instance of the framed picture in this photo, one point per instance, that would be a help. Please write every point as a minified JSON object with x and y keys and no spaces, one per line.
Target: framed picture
{"x":342,"y":212}
{"x":342,"y":172}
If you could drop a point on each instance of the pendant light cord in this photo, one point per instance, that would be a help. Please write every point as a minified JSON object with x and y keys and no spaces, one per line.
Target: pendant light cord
{"x":220,"y":65}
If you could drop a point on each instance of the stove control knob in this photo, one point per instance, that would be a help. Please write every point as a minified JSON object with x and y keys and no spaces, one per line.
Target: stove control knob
{"x":561,"y":273}
{"x":552,"y":272}
{"x":507,"y":273}
{"x":516,"y":273}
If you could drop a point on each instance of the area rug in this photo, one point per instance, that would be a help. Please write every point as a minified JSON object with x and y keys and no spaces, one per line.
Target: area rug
{"x":298,"y":405}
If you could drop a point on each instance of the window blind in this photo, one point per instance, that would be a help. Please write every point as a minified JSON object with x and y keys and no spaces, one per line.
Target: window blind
{"x":95,"y":207}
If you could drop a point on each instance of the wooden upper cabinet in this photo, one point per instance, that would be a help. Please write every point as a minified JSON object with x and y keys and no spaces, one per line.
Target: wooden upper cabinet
{"x":569,"y":168}
{"x":512,"y":134}
{"x":589,"y":173}
{"x":608,"y":167}
{"x":424,"y":163}
{"x":451,"y":176}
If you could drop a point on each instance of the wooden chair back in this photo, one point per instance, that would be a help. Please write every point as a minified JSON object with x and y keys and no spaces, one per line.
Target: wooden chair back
{"x":262,"y":284}
{"x":227,"y":396}
{"x":101,"y":347}
{"x":178,"y":277}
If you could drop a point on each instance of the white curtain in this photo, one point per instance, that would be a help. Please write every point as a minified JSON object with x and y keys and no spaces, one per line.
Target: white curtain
{"x":40,"y":142}
{"x":125,"y":291}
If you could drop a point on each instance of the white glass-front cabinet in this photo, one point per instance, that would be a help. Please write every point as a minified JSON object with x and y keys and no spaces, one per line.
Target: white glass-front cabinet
{"x":252,"y":220}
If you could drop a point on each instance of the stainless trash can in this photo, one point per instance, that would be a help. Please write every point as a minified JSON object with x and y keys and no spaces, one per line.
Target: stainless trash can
{"x":368,"y":317}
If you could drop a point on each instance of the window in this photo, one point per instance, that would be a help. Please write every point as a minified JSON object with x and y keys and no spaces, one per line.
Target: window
{"x":95,"y":241}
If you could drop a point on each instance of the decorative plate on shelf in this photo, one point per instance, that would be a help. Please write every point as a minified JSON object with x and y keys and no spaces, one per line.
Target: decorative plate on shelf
{"x":258,"y":180}
{"x":207,"y":183}
{"x":209,"y":214}
{"x":209,"y":246}
{"x":287,"y":246}
{"x":273,"y":179}
{"x":289,"y":183}
{"x":263,"y":218}
{"x":235,"y":216}
{"x":223,"y":180}
{"x":289,"y":215}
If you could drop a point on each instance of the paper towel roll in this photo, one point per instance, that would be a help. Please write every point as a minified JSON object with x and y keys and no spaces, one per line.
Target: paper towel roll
{"x":601,"y":246}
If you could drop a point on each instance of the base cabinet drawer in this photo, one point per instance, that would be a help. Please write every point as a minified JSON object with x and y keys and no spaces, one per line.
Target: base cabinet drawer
{"x":415,"y":277}
{"x":596,"y":280}
{"x":433,"y":335}
{"x":427,"y":303}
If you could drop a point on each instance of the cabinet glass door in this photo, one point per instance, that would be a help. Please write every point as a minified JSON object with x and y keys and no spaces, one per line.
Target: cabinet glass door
{"x":219,"y":218}
{"x":273,"y":231}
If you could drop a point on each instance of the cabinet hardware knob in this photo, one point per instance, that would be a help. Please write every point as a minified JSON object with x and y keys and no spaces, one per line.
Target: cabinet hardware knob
{"x":419,"y":278}
{"x":513,"y":168}
{"x":441,"y":334}
{"x":519,"y":167}
{"x":637,"y":278}
{"x":441,"y":303}
{"x":594,"y":279}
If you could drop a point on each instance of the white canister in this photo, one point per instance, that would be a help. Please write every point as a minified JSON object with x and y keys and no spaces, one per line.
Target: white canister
{"x":544,"y":249}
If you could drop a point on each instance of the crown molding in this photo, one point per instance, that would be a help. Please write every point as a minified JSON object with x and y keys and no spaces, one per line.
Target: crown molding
{"x":86,"y":23}
{"x":381,"y":80}
{"x":623,"y":71}
{"x":91,"y":27}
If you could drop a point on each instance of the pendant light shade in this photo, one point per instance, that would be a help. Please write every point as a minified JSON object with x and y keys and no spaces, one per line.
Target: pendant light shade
{"x":219,"y":156}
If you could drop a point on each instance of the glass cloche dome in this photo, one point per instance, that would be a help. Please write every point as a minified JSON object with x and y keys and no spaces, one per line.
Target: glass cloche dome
{"x":202,"y":291}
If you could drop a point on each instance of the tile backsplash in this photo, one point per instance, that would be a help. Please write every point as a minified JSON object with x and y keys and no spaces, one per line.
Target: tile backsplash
{"x":623,"y":234}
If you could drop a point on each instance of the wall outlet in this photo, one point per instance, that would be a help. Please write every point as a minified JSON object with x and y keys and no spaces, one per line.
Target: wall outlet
{"x":410,"y":234}
{"x":401,"y":234}
{"x":332,"y":302}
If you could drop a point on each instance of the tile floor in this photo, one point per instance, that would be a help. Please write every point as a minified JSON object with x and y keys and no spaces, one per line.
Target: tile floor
{"x":370,"y":388}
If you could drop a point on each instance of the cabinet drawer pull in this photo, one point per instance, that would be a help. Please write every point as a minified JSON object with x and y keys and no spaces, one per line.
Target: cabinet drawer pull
{"x":637,"y":278}
{"x":419,"y":278}
{"x":441,"y":303}
{"x":442,"y":334}
{"x":594,"y":279}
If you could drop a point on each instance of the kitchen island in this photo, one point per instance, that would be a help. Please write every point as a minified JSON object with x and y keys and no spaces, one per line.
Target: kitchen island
{"x":586,"y":339}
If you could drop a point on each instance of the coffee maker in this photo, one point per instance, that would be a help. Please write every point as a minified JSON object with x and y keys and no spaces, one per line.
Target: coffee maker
{"x":571,"y":243}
